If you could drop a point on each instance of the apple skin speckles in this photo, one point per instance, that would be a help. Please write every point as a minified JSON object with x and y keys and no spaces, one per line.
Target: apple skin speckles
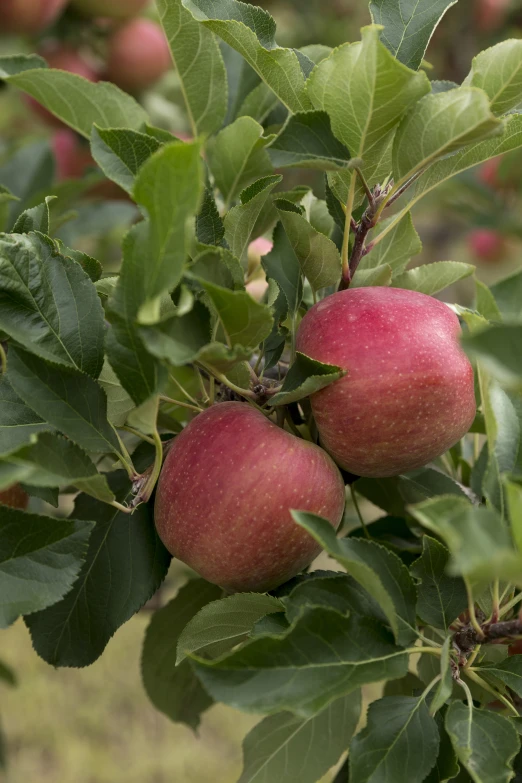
{"x":408,"y":394}
{"x":225,"y":493}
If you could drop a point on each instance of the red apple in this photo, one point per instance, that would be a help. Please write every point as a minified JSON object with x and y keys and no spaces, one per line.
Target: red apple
{"x":64,"y":58}
{"x":486,"y":244}
{"x":408,"y":394}
{"x":138,"y":55}
{"x":15,"y":497}
{"x":114,"y":9}
{"x":488,"y":172}
{"x":491,"y":14}
{"x":26,"y":17}
{"x":225,"y":493}
{"x":71,"y":155}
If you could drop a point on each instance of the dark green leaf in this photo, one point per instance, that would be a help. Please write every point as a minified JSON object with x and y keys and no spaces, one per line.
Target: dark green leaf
{"x":508,"y":294}
{"x":307,"y":141}
{"x":179,"y":339}
{"x":18,"y":422}
{"x":441,"y":598}
{"x":173,"y":689}
{"x":34,"y":219}
{"x":124,"y":566}
{"x":121,"y":152}
{"x":209,"y":226}
{"x":445,"y":686}
{"x":305,"y":377}
{"x":49,"y":304}
{"x":281,"y":265}
{"x":40,"y":558}
{"x":240,"y":221}
{"x":245,"y":321}
{"x":509,"y":671}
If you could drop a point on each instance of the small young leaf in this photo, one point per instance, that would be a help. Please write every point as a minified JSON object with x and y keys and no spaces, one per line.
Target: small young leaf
{"x":408,"y":26}
{"x":124,"y":566}
{"x":223,"y":624}
{"x":75,"y":100}
{"x":498,"y":71}
{"x":172,"y":689}
{"x":199,"y":64}
{"x":240,"y":221}
{"x":317,"y":254}
{"x":251,"y":30}
{"x":305,"y":377}
{"x":69,"y":400}
{"x":440,"y":124}
{"x":400,"y":742}
{"x":121,"y":152}
{"x":441,"y":598}
{"x":432,"y":278}
{"x":377,"y":569}
{"x":307,"y":141}
{"x":485,"y":742}
{"x":49,"y":304}
{"x":40,"y":558}
{"x":286,"y":749}
{"x":313,"y":663}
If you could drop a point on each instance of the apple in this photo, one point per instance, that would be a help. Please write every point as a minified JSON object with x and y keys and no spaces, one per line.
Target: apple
{"x":114,"y":9}
{"x":71,"y":155}
{"x":138,"y":55}
{"x":486,"y":244}
{"x":408,"y":393}
{"x":65,"y":58}
{"x":488,"y":172}
{"x":491,"y":14}
{"x":225,"y":493}
{"x":15,"y":497}
{"x":26,"y":17}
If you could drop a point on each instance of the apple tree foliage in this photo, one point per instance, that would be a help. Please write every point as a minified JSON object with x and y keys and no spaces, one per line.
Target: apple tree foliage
{"x":426,"y":599}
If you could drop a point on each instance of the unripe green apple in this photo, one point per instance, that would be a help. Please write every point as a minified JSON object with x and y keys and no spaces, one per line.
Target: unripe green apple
{"x":138,"y":55}
{"x":15,"y":497}
{"x":225,"y":493}
{"x":113,"y":9}
{"x":408,"y":393}
{"x":26,"y":17}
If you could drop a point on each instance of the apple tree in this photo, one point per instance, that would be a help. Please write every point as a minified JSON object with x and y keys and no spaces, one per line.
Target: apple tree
{"x":192,"y":414}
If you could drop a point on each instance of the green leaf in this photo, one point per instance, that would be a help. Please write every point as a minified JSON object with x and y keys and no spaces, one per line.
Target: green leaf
{"x":209,"y":225}
{"x":230,"y":152}
{"x":317,"y":254}
{"x":28,"y":171}
{"x":175,"y":690}
{"x":380,"y":275}
{"x":441,"y":598}
{"x":69,"y":400}
{"x":432,"y":278}
{"x":179,"y":339}
{"x":18,"y":422}
{"x":75,"y":100}
{"x":242,"y":80}
{"x":508,"y":671}
{"x":514,"y":503}
{"x":245,"y":321}
{"x":479,"y":542}
{"x":408,"y":26}
{"x":440,"y":124}
{"x":353,"y":85}
{"x":53,"y":461}
{"x":34,"y":219}
{"x":306,"y":141}
{"x":250,"y":31}
{"x":169,"y":186}
{"x":241,"y":219}
{"x":285,"y":748}
{"x":498,"y":71}
{"x":135,"y":368}
{"x":259,"y":103}
{"x":217,"y":265}
{"x":485,"y":302}
{"x":313,"y":663}
{"x":222,"y":624}
{"x":485,"y":742}
{"x":281,"y":264}
{"x":119,"y":403}
{"x":377,"y":569}
{"x":445,"y":686}
{"x":446,"y":767}
{"x":498,"y":348}
{"x":91,"y":266}
{"x":199,"y":64}
{"x":124,"y":566}
{"x":396,"y":249}
{"x":507,"y":294}
{"x":305,"y":377}
{"x":49,"y":304}
{"x":40,"y":558}
{"x":400,"y":742}
{"x":121,"y":152}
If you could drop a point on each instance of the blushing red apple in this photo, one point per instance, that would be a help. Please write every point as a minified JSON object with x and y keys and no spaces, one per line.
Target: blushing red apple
{"x":408,"y":393}
{"x":71,"y":155}
{"x":491,"y":14}
{"x":486,"y":244}
{"x":113,"y":9}
{"x":64,"y":58}
{"x":26,"y":17}
{"x":15,"y":497}
{"x":225,"y":493}
{"x":138,"y":55}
